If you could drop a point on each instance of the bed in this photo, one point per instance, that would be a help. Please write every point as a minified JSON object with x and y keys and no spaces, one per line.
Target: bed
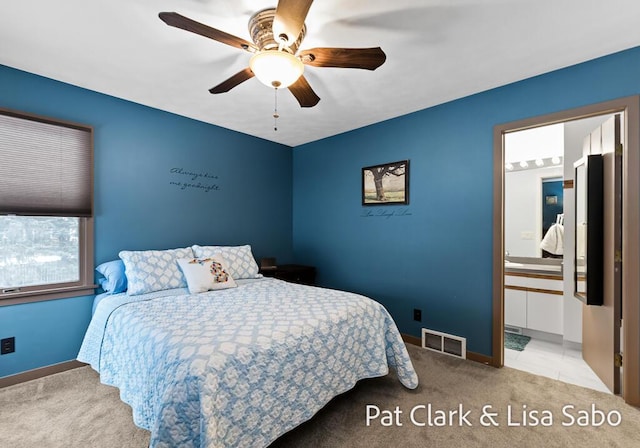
{"x":240,"y":366}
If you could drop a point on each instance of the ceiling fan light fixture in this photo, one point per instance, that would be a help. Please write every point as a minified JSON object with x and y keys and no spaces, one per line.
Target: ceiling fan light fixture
{"x":275,"y":68}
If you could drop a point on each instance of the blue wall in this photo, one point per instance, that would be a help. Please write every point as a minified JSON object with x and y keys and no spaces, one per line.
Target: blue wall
{"x":141,"y":201}
{"x":436,"y":253}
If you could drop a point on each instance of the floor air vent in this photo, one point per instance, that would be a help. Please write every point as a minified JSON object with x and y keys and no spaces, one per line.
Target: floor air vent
{"x":514,"y":330}
{"x":444,"y":343}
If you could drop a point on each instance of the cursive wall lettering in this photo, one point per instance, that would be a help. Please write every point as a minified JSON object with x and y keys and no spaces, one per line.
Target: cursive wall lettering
{"x":195,"y":180}
{"x":385,"y":213}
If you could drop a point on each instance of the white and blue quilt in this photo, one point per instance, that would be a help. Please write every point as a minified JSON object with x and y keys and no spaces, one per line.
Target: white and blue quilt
{"x":239,"y":367}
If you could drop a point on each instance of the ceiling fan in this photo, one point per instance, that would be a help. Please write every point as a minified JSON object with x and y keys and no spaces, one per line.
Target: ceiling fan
{"x":277,"y":34}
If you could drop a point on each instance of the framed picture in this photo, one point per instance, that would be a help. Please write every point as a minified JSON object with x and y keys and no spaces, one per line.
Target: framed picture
{"x":386,"y":184}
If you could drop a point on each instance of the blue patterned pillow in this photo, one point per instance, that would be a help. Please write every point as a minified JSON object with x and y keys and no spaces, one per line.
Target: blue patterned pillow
{"x":154,"y":270}
{"x":239,"y":259}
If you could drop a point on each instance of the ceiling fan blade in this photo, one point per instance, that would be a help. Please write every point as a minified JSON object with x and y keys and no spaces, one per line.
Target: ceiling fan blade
{"x":366,"y":58}
{"x":232,"y":82}
{"x":304,"y":93}
{"x":289,"y":19}
{"x":176,"y":20}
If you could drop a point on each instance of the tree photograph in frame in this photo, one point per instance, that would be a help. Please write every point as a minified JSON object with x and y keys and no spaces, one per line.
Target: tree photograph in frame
{"x":386,"y":184}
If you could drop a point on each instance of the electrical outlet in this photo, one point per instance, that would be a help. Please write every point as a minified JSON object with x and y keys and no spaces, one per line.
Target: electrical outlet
{"x":417,"y":315}
{"x":7,"y":345}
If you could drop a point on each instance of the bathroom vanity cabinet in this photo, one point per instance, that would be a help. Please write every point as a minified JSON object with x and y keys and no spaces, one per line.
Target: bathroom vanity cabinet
{"x":534,"y":301}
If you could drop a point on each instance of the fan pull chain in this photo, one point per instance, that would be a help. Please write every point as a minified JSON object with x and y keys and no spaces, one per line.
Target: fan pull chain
{"x":275,"y":110}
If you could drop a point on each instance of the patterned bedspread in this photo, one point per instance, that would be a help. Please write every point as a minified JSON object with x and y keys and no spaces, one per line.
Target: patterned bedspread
{"x":239,"y":367}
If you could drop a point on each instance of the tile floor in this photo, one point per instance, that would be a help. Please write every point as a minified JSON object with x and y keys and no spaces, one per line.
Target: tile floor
{"x":554,"y":361}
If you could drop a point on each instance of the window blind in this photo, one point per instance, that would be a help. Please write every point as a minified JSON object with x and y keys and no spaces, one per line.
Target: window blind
{"x":46,"y":167}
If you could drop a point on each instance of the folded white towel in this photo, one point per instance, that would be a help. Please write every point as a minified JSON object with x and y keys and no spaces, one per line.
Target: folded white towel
{"x":553,"y":241}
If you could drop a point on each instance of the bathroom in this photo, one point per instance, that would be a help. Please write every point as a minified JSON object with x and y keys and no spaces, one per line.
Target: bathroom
{"x":543,"y":318}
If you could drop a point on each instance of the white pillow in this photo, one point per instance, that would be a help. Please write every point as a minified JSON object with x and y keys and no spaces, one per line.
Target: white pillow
{"x":153,"y":270}
{"x":206,"y":274}
{"x":239,"y":259}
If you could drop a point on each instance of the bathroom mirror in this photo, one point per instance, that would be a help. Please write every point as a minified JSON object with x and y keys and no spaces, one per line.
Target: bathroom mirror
{"x":588,"y":267}
{"x":526,"y":208}
{"x":533,"y":158}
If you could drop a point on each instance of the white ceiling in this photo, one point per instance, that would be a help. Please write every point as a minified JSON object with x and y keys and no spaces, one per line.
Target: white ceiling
{"x":437,"y":51}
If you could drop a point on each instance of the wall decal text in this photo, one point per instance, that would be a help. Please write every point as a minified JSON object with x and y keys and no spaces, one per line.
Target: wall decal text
{"x":385,"y":213}
{"x":199,"y":180}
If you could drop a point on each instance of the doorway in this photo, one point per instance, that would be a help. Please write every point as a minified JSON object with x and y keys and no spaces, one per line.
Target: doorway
{"x":552,"y":216}
{"x":629,"y":108}
{"x":543,"y":320}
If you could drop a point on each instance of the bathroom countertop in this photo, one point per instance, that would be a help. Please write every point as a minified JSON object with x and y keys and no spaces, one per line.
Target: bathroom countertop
{"x":532,"y":272}
{"x":533,"y":266}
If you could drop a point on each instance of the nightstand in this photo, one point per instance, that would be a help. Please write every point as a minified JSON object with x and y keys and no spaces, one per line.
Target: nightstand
{"x":294,"y":273}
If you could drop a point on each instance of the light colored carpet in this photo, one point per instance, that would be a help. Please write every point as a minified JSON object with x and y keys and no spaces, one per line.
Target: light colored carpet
{"x":72,"y":409}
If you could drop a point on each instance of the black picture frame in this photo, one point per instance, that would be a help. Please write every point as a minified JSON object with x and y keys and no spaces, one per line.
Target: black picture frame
{"x":386,"y":184}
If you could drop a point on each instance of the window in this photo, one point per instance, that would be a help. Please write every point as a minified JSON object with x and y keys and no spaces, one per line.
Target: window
{"x":46,"y":202}
{"x":38,"y":250}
